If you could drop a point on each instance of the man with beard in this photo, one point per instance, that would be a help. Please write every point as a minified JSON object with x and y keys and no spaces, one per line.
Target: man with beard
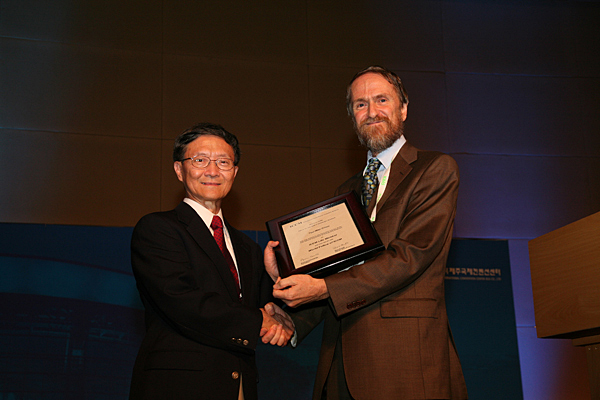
{"x":386,"y":332}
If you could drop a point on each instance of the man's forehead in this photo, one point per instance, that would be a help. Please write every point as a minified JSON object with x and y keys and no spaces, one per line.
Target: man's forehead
{"x":372,"y":77}
{"x":371,"y":84}
{"x":210,"y":144}
{"x":207,"y":152}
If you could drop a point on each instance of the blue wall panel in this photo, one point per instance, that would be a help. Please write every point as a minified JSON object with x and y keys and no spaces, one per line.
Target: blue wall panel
{"x":71,"y":320}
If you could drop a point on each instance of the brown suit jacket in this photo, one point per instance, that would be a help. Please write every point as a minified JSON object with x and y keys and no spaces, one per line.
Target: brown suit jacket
{"x":390,"y":312}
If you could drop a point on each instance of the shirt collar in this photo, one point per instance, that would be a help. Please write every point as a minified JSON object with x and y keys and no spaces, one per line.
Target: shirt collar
{"x":203,"y":212}
{"x":388,"y":155}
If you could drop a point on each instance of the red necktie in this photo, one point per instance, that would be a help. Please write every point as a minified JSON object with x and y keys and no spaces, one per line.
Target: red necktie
{"x":217,"y":227}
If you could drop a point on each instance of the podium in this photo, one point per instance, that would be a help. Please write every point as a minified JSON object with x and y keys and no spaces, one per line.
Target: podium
{"x":565,"y":275}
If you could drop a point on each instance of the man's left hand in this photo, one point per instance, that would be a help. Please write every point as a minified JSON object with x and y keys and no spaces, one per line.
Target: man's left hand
{"x":271,"y":261}
{"x":297,"y":290}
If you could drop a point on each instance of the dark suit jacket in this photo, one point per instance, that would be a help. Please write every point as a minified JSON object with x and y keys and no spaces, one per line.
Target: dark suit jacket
{"x":199,"y":335}
{"x":390,"y":312}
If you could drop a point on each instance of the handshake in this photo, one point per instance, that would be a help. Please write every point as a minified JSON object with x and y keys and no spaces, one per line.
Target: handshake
{"x":277,"y":326}
{"x":295,"y":290}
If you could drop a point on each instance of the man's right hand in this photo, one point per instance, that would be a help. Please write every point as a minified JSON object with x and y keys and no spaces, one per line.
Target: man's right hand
{"x":278,"y":327}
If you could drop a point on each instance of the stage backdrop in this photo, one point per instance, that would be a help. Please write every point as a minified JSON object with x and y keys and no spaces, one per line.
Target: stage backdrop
{"x":71,"y":320}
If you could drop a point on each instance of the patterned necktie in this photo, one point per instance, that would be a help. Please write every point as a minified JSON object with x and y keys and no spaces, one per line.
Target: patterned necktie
{"x":370,"y":181}
{"x":217,"y":227}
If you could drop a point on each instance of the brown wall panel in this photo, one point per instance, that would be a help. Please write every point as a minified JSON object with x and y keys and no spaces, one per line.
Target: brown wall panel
{"x":332,"y":167}
{"x":258,"y":102}
{"x":272,"y":181}
{"x":55,"y":87}
{"x":399,"y":34}
{"x":330,"y":125}
{"x":261,"y":30}
{"x":171,"y":189}
{"x":131,"y":24}
{"x":56,"y":178}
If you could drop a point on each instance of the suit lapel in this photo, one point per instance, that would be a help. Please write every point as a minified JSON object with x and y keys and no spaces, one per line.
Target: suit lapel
{"x":243,"y":259}
{"x":205,"y":240}
{"x":400,"y":169}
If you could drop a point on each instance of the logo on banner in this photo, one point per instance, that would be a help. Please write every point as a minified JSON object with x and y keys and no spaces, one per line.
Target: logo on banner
{"x":474,"y":274}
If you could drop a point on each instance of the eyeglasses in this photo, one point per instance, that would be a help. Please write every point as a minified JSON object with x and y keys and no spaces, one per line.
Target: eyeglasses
{"x":224,"y":164}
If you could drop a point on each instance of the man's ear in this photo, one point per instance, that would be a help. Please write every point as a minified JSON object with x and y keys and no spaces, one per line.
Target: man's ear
{"x":177,"y":166}
{"x":403,"y":111}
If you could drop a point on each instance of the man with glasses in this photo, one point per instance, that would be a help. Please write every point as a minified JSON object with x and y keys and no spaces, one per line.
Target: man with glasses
{"x":202,"y":282}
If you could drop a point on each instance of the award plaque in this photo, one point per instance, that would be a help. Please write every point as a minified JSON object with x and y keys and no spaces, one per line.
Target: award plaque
{"x":324,"y":238}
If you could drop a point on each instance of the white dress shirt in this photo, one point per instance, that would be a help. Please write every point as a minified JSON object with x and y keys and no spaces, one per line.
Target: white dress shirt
{"x":207,"y":217}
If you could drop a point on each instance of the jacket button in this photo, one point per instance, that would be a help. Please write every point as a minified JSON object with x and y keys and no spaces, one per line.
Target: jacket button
{"x":239,"y":341}
{"x":245,"y":342}
{"x":235,"y":375}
